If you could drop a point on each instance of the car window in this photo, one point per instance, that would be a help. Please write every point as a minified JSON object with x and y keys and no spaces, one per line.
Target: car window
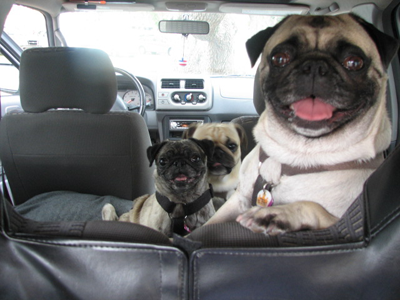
{"x":8,"y":77}
{"x":27,"y":28}
{"x":133,"y":41}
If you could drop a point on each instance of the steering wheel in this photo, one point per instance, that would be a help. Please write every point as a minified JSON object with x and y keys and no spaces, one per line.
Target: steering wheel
{"x":142,"y":96}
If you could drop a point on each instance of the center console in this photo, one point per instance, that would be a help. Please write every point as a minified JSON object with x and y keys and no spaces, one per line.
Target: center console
{"x":182,"y":94}
{"x":174,"y":126}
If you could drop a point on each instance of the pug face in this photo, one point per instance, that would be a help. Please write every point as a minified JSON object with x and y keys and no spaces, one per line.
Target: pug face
{"x":228,"y":139}
{"x":318,"y":73}
{"x":181,"y":165}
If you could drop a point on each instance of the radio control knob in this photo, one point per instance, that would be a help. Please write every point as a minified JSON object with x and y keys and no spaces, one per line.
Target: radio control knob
{"x":189,"y":97}
{"x":201,"y":97}
{"x":177,"y":97}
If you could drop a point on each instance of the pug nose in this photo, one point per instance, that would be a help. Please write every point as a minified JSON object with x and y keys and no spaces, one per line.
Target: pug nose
{"x":179,"y":163}
{"x":315,"y":67}
{"x":218,"y":153}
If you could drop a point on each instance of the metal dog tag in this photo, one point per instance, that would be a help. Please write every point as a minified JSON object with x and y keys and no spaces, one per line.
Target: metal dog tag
{"x":186,"y":228}
{"x":264,"y":197}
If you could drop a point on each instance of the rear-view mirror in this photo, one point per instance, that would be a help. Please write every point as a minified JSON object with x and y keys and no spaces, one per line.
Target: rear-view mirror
{"x":184,"y":27}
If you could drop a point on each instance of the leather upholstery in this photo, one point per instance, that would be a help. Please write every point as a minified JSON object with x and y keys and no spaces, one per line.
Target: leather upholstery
{"x":75,"y":269}
{"x":59,"y":266}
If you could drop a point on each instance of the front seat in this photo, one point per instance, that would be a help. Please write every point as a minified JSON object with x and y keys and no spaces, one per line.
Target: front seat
{"x":67,"y":139}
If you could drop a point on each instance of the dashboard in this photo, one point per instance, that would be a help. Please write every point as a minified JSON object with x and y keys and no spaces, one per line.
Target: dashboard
{"x":173,"y":103}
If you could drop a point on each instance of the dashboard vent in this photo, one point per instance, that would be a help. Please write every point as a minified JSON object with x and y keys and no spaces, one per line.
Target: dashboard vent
{"x":170,"y":83}
{"x":194,"y":84}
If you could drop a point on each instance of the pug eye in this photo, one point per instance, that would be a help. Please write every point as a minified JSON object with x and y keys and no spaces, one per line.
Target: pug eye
{"x":162,"y":161}
{"x":353,"y":63}
{"x":232,"y":147}
{"x":195,"y":158}
{"x":280,"y":59}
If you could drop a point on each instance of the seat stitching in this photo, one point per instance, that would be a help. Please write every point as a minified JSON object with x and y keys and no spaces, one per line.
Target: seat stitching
{"x":385,"y":221}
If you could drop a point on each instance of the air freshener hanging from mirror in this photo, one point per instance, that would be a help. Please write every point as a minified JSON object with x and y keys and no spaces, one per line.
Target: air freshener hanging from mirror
{"x":183,"y":61}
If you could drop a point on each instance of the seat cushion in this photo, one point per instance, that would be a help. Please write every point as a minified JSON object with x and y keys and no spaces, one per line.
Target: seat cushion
{"x":69,"y":206}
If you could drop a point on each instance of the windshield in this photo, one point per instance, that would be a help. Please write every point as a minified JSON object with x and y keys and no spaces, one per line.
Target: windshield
{"x":133,"y":41}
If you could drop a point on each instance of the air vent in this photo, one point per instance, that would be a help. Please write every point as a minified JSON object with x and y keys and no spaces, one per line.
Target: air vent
{"x":170,"y":83}
{"x":194,"y":84}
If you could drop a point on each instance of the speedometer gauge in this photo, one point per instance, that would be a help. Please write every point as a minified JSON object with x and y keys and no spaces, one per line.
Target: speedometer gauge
{"x":132,"y":99}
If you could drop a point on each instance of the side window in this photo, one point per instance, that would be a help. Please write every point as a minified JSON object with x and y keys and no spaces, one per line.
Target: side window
{"x":27,"y":29}
{"x":8,"y":77}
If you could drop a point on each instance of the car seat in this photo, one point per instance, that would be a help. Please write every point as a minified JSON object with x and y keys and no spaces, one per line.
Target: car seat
{"x":67,"y":138}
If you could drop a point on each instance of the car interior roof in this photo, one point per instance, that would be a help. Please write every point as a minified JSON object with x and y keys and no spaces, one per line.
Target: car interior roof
{"x":54,"y":7}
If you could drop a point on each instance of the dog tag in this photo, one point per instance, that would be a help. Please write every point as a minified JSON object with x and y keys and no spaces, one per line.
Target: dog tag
{"x":264,"y":197}
{"x":186,"y":228}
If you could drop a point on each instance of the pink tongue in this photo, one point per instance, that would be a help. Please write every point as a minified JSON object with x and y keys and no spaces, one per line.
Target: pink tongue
{"x":313,"y":109}
{"x":181,"y":177}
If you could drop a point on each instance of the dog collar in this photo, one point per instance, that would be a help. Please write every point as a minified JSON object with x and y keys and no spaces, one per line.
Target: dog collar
{"x":178,"y":224}
{"x":262,"y":192}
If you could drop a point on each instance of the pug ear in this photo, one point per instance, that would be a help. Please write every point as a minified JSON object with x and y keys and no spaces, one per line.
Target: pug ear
{"x":153,"y":150}
{"x":206,"y":145}
{"x":387,"y":45}
{"x":256,"y":43}
{"x":242,"y":135}
{"x":188,"y":133}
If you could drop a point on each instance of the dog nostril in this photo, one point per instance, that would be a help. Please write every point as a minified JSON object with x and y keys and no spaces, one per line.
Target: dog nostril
{"x":179,"y":163}
{"x":323,"y":70}
{"x":307,"y":69}
{"x":318,"y":67}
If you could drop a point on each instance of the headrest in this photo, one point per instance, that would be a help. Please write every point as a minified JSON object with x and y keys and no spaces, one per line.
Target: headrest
{"x":61,"y":77}
{"x":258,"y":98}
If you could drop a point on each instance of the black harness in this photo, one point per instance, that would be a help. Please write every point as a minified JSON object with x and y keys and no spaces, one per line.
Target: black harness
{"x":178,"y":224}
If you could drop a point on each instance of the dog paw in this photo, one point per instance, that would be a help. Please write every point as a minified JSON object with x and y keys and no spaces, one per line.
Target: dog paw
{"x":267,"y":220}
{"x":108,"y":213}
